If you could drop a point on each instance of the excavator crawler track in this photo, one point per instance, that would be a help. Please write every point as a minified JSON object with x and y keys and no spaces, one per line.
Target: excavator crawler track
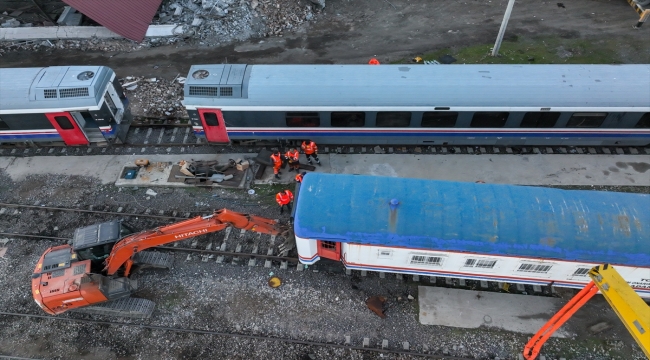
{"x":125,"y":307}
{"x":154,"y":259}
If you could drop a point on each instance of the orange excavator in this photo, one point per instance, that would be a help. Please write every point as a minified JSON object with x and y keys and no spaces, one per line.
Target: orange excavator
{"x":92,"y":274}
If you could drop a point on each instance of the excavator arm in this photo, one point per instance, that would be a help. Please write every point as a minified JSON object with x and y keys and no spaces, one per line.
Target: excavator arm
{"x":627,"y":304}
{"x":123,"y":251}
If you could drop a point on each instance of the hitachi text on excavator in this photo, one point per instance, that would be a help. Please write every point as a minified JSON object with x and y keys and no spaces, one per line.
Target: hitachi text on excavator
{"x":92,"y":274}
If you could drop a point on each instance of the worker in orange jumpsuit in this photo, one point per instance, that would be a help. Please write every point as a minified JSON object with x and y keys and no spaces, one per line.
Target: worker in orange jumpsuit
{"x":311,"y":150}
{"x":284,"y":198}
{"x":373,"y":61}
{"x":300,"y":176}
{"x":276,"y":158}
{"x":293,"y":156}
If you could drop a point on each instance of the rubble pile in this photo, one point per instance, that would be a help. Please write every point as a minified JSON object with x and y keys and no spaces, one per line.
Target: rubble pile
{"x":155,"y":97}
{"x":223,"y":21}
{"x":94,"y":44}
{"x":208,"y":22}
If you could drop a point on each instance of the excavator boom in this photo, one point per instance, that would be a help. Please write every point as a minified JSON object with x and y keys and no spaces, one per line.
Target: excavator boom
{"x":124,"y":250}
{"x":70,"y":277}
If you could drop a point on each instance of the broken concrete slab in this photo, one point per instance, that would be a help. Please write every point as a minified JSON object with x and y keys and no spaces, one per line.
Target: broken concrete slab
{"x":471,"y":309}
{"x":80,"y":32}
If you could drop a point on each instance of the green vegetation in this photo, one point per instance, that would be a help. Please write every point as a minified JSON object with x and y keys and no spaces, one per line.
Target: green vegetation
{"x":545,"y":50}
{"x":176,"y":297}
{"x":266,"y":193}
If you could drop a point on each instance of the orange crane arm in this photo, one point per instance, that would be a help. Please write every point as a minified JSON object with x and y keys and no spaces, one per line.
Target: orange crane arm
{"x":124,"y":250}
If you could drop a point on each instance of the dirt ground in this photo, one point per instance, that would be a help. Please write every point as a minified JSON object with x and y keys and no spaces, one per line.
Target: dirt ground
{"x":396,"y":30}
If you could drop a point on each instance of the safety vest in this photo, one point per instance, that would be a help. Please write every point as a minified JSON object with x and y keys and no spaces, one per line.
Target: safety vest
{"x":309,"y":148}
{"x":277,"y":160}
{"x":284,"y":197}
{"x":292,"y":155}
{"x":299,"y":178}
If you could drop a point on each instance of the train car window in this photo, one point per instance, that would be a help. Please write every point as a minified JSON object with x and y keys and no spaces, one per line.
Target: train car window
{"x":426,"y":260}
{"x":3,"y":125}
{"x":439,"y":119}
{"x":298,"y":119}
{"x":210,"y":119}
{"x":581,"y":272}
{"x":110,"y":103}
{"x":644,"y":122}
{"x":63,"y":122}
{"x":533,"y":268}
{"x":483,"y":264}
{"x":393,"y":119}
{"x":539,"y":119}
{"x":489,"y":119}
{"x":348,"y":119}
{"x":586,"y":120}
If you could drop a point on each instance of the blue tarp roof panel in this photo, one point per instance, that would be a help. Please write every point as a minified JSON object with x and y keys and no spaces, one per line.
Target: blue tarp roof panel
{"x":590,"y":226}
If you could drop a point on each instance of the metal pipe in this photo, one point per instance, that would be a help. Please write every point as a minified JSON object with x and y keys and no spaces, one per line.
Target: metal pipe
{"x":502,"y":30}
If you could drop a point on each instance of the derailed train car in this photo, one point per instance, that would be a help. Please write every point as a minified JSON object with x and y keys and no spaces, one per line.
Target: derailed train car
{"x":74,"y":105}
{"x":502,"y":105}
{"x":504,"y":233}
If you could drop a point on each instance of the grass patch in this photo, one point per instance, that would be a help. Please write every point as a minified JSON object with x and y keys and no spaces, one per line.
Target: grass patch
{"x":266,"y":193}
{"x":542,"y":50}
{"x":175,"y":298}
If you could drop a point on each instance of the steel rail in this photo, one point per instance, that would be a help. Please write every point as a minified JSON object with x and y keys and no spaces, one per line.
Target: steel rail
{"x":235,"y":335}
{"x":179,"y":249}
{"x":93,"y":211}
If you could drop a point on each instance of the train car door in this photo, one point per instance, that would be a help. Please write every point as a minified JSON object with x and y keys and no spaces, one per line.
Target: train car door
{"x":329,"y":250}
{"x":214,"y":126}
{"x":68,"y":128}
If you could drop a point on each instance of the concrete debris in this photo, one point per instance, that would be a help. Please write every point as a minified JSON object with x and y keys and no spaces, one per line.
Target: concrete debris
{"x":11,"y":23}
{"x":154,"y":97}
{"x":151,"y":192}
{"x":206,"y":22}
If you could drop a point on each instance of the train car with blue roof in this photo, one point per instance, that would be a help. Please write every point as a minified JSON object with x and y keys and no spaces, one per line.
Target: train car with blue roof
{"x":410,"y":104}
{"x":487,"y":232}
{"x":70,"y":105}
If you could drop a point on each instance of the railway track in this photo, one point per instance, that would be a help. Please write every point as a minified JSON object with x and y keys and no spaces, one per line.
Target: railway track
{"x":241,"y":250}
{"x":155,"y":142}
{"x":169,"y":137}
{"x":380,"y":350}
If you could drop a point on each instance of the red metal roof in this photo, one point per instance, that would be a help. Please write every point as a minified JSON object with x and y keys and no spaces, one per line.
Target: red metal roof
{"x":129,"y":18}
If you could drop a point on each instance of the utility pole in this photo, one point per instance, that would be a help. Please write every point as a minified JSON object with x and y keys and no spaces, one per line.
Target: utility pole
{"x":504,"y":23}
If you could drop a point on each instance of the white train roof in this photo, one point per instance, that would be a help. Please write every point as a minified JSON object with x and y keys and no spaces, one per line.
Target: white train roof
{"x":503,"y":86}
{"x":54,"y":87}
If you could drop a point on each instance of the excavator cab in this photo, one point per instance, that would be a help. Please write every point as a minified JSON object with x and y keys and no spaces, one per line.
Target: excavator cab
{"x":95,"y":242}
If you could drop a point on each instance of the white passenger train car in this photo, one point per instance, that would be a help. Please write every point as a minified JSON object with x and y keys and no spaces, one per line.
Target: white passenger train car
{"x":503,"y":233}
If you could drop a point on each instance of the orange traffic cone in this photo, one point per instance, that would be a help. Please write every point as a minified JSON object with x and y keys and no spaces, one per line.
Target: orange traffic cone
{"x":373,"y":61}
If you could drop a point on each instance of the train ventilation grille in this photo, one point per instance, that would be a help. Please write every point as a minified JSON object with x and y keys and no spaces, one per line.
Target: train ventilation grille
{"x":207,"y":91}
{"x":73,"y":92}
{"x":225,"y":91}
{"x":49,"y":93}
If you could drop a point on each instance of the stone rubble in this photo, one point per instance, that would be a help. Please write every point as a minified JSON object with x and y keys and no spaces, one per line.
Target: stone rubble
{"x":155,"y":97}
{"x":206,"y":22}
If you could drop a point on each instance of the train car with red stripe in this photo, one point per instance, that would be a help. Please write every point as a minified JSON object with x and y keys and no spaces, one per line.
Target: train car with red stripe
{"x":500,"y":105}
{"x":70,"y":105}
{"x":472,"y":231}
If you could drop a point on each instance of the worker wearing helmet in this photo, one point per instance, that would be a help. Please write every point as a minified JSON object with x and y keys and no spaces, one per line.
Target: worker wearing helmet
{"x":293,"y":157}
{"x":300,"y":176}
{"x":311,"y":150}
{"x":276,"y":158}
{"x":284,"y":198}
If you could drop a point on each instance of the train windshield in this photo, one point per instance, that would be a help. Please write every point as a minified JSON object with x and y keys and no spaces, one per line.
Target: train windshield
{"x":114,"y":103}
